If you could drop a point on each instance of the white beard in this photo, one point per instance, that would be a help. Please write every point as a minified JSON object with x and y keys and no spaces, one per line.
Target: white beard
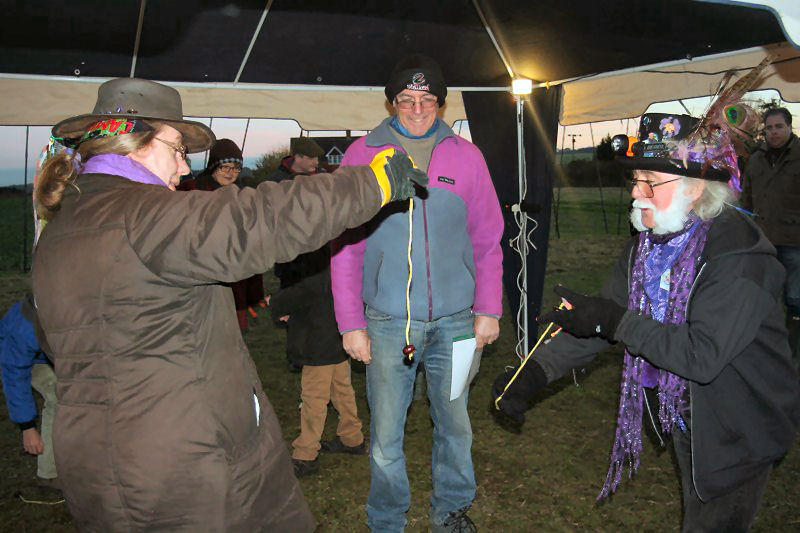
{"x":668,"y":220}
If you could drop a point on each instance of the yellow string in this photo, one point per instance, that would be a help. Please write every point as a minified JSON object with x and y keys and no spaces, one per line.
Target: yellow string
{"x":410,"y":272}
{"x":541,"y":338}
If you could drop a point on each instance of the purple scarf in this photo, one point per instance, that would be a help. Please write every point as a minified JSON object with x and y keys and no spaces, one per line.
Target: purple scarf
{"x":120,"y":165}
{"x":678,"y":254}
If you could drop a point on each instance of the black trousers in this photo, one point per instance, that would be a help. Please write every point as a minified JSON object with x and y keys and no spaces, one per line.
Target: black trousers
{"x":732,"y":512}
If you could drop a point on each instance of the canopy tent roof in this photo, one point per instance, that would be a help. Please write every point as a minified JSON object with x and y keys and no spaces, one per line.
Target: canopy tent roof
{"x":337,"y":54}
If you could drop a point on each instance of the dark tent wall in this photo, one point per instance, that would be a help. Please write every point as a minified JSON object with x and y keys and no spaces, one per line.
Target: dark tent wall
{"x":492,"y":119}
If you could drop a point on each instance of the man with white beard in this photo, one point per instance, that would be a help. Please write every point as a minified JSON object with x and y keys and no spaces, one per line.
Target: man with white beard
{"x":695,"y":300}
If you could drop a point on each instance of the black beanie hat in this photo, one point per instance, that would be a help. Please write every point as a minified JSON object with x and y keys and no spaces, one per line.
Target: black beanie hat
{"x":224,"y":151}
{"x":418,"y":73}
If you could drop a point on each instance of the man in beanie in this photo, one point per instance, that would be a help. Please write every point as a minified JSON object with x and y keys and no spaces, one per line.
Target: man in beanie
{"x":694,"y":298}
{"x":772,"y":192}
{"x":456,"y":291}
{"x":304,"y":159}
{"x":224,"y":166}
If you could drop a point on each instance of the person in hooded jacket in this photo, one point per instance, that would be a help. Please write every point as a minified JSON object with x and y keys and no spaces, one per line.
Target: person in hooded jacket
{"x":695,"y":300}
{"x":224,"y":166}
{"x":162,"y":423}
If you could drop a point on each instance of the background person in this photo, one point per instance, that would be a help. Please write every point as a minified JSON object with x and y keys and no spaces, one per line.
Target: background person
{"x":303,"y":160}
{"x":456,"y":290}
{"x":305,"y":305}
{"x":25,"y":366}
{"x":694,"y":298}
{"x":772,"y":192}
{"x":161,"y":425}
{"x":224,"y":167}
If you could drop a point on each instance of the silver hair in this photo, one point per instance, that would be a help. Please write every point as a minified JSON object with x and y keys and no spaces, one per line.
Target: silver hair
{"x":716,"y":194}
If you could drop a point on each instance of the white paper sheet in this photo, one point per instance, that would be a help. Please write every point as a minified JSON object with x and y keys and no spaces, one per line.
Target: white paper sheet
{"x":463,"y":355}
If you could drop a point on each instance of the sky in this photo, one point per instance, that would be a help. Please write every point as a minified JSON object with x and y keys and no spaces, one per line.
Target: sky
{"x":267,"y":135}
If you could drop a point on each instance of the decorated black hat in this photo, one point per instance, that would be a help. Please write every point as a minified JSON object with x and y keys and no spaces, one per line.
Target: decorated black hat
{"x":660,"y":147}
{"x":417,"y":72}
{"x":705,"y":148}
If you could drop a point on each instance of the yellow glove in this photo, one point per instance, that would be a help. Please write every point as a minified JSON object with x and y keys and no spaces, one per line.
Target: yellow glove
{"x":395,"y":172}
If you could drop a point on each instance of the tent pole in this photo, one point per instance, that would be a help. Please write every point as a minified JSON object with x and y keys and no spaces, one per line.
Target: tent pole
{"x":522,"y":240}
{"x":599,"y":181}
{"x":252,"y":41}
{"x":138,"y":39}
{"x":244,"y":140}
{"x":205,"y":157}
{"x":494,"y":42}
{"x":25,"y":206}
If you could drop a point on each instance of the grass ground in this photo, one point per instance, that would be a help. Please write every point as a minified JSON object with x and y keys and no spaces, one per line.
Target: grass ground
{"x":545,"y":478}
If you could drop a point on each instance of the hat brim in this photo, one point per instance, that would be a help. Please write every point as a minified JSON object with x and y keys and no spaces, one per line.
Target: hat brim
{"x":197,"y":137}
{"x":674,"y":166}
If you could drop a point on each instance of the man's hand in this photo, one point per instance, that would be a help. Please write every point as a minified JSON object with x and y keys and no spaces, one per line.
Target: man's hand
{"x":357,"y":345}
{"x":590,"y":316}
{"x":32,"y":441}
{"x":284,"y":318}
{"x":487,"y":329}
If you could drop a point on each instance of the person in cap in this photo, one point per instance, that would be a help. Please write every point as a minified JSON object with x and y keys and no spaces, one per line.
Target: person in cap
{"x":694,"y":299}
{"x":224,"y":166}
{"x":772,"y":192}
{"x":302,"y":161}
{"x":162,"y":423}
{"x":455,"y":291}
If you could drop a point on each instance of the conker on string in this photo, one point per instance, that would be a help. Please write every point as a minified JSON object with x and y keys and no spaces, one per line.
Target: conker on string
{"x":408,"y":353}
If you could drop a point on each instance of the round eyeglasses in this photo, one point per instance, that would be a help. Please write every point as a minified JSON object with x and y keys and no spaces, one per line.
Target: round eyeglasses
{"x":178,"y":148}
{"x":645,"y":187}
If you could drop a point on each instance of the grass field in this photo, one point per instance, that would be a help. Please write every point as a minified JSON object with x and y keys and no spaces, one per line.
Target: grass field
{"x":545,"y":478}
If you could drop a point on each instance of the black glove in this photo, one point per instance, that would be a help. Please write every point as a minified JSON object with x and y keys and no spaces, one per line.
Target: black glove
{"x":591,"y":316}
{"x":399,"y":173}
{"x":517,"y":398}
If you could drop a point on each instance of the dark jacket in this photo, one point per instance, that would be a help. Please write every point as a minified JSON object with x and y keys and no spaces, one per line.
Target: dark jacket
{"x":162,"y":423}
{"x":772,"y":192}
{"x":246,"y":292}
{"x":312,"y":336}
{"x":284,"y":170}
{"x":732,"y":350}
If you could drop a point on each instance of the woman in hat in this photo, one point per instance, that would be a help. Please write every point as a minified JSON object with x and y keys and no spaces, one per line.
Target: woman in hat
{"x":224,"y":166}
{"x":160,"y":424}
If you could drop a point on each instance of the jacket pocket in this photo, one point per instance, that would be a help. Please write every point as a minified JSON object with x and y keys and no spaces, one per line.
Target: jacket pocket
{"x":374,"y":314}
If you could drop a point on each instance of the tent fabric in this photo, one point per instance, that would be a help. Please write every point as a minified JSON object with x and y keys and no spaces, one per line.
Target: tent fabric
{"x":44,"y":102}
{"x":492,"y":118}
{"x":628,"y":94}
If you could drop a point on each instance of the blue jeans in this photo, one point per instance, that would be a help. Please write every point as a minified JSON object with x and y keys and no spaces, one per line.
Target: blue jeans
{"x":789,"y":256}
{"x":390,"y":385}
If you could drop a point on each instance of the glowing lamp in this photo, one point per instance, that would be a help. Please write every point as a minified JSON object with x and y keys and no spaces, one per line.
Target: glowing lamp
{"x":521,"y":86}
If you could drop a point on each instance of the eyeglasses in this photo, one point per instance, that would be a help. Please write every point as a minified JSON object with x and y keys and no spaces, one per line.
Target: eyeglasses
{"x":646,"y":186}
{"x":178,"y":148}
{"x":426,"y":102}
{"x":230,"y":168}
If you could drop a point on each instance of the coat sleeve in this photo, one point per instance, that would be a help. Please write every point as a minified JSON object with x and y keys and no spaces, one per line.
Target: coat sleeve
{"x":485,"y":227}
{"x":18,"y":349}
{"x":347,"y":268}
{"x":732,"y":298}
{"x":230,"y":234}
{"x":562,"y":353}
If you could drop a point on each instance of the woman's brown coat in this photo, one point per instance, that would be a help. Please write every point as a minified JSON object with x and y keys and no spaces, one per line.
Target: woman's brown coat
{"x":156,"y":425}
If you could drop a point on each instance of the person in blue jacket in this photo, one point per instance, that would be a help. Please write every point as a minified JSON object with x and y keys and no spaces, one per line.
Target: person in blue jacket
{"x":25,"y":366}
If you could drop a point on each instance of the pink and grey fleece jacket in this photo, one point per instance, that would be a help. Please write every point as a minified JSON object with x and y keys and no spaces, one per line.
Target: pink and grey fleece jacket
{"x":456,"y":252}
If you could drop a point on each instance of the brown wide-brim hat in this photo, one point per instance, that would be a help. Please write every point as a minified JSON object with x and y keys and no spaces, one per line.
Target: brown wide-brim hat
{"x":136,"y":98}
